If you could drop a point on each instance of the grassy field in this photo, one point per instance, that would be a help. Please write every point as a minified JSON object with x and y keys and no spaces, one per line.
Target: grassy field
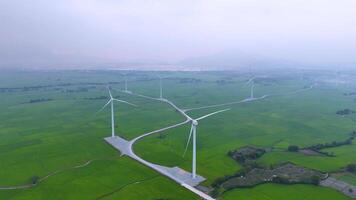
{"x":275,"y":122}
{"x":348,"y":178}
{"x":39,"y":138}
{"x":281,"y":192}
{"x":104,"y":179}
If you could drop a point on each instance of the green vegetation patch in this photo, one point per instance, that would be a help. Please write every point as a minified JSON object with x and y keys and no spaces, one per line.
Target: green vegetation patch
{"x":14,"y":146}
{"x":283,"y":192}
{"x":39,"y":138}
{"x":348,"y":178}
{"x":283,"y":174}
{"x":245,"y":154}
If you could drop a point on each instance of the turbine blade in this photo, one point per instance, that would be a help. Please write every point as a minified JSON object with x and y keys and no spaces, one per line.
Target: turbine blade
{"x":103,"y":107}
{"x":210,"y":114}
{"x":110,"y":93}
{"x":190,"y":136}
{"x":125,"y":102}
{"x":250,"y":80}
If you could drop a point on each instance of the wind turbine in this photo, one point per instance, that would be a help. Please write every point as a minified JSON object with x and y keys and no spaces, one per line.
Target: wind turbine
{"x":126,"y":84}
{"x":193,"y":132}
{"x":111,"y":101}
{"x":252,"y":82}
{"x":160,"y":88}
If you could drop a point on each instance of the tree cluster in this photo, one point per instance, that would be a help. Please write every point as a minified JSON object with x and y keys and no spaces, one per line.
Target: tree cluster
{"x":39,"y":100}
{"x":345,"y":112}
{"x":293,"y":148}
{"x":245,"y":154}
{"x":97,"y":98}
{"x":319,"y":147}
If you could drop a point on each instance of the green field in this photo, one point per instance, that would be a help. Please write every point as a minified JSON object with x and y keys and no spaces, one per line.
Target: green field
{"x":281,"y":192}
{"x":348,"y":178}
{"x":39,"y":138}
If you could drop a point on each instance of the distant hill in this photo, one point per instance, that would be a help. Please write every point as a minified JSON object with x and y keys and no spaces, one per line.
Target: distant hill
{"x":235,"y":60}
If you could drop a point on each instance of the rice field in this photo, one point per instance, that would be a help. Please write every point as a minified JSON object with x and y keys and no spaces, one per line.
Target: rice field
{"x":39,"y":138}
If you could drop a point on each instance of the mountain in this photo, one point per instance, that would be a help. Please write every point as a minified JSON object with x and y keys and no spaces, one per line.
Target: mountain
{"x":233,"y":59}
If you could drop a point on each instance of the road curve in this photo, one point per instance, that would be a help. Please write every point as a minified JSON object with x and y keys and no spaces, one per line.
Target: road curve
{"x":188,"y":119}
{"x":159,"y":168}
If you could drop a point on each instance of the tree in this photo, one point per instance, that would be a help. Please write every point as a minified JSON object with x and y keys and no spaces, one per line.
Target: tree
{"x":293,"y":148}
{"x":34,"y":180}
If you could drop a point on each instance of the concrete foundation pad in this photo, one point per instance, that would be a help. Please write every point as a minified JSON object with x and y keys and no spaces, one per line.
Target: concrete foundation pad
{"x":182,"y":175}
{"x":120,"y":144}
{"x":177,"y":174}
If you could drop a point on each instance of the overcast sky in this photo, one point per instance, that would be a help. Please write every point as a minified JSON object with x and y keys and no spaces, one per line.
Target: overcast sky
{"x":44,"y":32}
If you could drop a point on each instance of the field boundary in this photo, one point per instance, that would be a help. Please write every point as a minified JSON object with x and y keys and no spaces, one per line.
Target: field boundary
{"x":40,"y":180}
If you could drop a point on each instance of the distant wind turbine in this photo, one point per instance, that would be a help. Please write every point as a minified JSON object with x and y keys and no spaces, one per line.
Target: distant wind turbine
{"x":125,"y":84}
{"x":111,"y":101}
{"x":126,"y":90}
{"x":193,"y":131}
{"x":252,"y":82}
{"x":160,"y":87}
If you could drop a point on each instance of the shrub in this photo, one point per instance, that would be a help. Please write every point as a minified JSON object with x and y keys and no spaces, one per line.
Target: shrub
{"x":34,"y":180}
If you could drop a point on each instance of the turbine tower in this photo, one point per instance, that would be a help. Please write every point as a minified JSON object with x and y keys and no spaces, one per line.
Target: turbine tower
{"x":160,"y":88}
{"x":252,"y":82}
{"x":126,"y":83}
{"x":111,"y":101}
{"x":252,"y":87}
{"x":193,"y":134}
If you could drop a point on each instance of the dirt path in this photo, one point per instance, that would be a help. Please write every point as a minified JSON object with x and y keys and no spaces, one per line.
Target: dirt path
{"x":40,"y":180}
{"x":124,"y":186}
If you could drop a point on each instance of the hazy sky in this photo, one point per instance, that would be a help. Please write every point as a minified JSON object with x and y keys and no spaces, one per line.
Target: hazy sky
{"x":44,"y":32}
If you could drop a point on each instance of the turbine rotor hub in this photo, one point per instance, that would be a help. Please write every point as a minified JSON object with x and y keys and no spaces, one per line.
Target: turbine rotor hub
{"x":195,"y":122}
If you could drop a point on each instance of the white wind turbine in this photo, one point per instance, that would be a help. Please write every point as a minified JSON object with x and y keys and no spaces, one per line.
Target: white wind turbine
{"x":160,"y":88}
{"x":111,"y":101}
{"x":126,"y":90}
{"x":193,"y":131}
{"x":252,"y":82}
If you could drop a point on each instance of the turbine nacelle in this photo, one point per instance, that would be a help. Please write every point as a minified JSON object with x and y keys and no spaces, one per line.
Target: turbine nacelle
{"x":194,"y":122}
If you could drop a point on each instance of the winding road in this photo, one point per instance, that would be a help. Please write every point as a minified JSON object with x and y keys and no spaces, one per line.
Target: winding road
{"x":183,"y":178}
{"x":178,"y":175}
